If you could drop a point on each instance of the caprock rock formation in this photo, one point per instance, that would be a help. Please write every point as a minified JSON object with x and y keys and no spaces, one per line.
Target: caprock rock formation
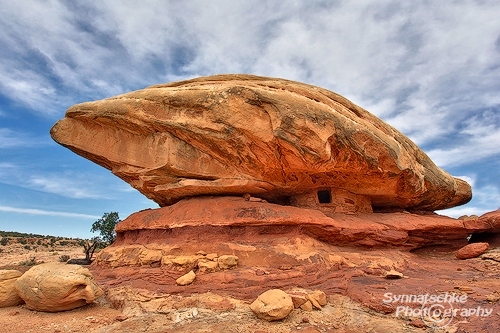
{"x":271,"y":184}
{"x":275,"y":139}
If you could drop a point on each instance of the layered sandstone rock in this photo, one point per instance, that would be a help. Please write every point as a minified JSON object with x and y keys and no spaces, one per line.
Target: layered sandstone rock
{"x":53,"y":287}
{"x":280,"y":140}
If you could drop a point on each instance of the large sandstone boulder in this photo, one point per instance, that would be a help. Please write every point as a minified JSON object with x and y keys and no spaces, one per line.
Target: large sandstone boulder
{"x":53,"y":287}
{"x":280,"y":140}
{"x":8,"y":293}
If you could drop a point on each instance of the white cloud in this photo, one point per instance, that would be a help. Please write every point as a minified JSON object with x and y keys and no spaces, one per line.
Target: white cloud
{"x":31,"y":211}
{"x":479,"y":139}
{"x":484,"y":199}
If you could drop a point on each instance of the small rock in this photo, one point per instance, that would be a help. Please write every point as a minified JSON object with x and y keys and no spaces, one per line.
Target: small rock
{"x":186,"y":279}
{"x":201,"y":253}
{"x":207,"y":266}
{"x":272,"y":305}
{"x":392,"y":274}
{"x":307,"y":306}
{"x":227,"y":261}
{"x":121,"y":317}
{"x":466,"y":289}
{"x":298,"y":300}
{"x":314,"y":302}
{"x":493,"y":297}
{"x":419,"y":323}
{"x":472,"y":250}
{"x":211,"y":256}
{"x":185,"y":261}
{"x":319,"y":297}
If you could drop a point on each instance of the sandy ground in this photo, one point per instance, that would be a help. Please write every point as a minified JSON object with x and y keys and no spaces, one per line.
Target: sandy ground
{"x":204,"y":312}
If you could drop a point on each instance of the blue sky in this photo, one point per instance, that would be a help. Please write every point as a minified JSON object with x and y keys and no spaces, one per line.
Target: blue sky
{"x":431,"y":69}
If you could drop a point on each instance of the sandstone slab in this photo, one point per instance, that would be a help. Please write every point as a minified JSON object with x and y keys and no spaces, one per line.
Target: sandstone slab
{"x":276,"y":139}
{"x":272,"y":305}
{"x":53,"y":287}
{"x":8,"y":293}
{"x":227,"y":215}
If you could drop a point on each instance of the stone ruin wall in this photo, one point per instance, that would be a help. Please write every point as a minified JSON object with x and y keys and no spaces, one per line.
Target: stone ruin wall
{"x":338,"y":201}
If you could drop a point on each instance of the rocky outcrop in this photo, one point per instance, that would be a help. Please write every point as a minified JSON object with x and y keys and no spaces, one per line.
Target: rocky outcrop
{"x":229,"y":217}
{"x":8,"y":293}
{"x":272,"y":305}
{"x":276,"y":139}
{"x":53,"y":287}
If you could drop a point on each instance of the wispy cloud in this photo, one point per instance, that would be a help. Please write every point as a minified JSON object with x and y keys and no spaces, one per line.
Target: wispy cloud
{"x":71,"y":186}
{"x":14,"y":139}
{"x":29,"y":211}
{"x":68,"y":184}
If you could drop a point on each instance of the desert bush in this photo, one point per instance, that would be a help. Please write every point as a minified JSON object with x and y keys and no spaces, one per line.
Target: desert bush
{"x":30,"y":262}
{"x":4,"y":241}
{"x":63,"y":258}
{"x":39,"y":242}
{"x":23,"y":241}
{"x":63,"y":243}
{"x":27,"y":247}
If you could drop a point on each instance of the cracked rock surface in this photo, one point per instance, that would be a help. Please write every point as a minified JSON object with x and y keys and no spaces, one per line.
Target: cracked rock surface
{"x":243,"y":134}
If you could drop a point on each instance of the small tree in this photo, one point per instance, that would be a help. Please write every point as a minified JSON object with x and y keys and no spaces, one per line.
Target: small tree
{"x":106,"y":227}
{"x":89,"y":247}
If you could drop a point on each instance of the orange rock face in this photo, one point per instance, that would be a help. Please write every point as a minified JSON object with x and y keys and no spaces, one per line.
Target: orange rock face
{"x":280,"y":140}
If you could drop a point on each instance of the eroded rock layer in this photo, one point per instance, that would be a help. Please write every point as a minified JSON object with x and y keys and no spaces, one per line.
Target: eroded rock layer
{"x":272,"y":138}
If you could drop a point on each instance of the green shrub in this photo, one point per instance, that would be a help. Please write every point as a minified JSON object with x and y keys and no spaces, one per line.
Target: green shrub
{"x":4,"y":241}
{"x":23,"y":241}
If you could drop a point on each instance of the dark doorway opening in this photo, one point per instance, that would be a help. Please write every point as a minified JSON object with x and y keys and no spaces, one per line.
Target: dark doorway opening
{"x":324,"y":197}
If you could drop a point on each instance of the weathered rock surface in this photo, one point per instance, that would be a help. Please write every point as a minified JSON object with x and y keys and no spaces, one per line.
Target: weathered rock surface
{"x":8,"y":293}
{"x":272,"y":138}
{"x":274,"y":304}
{"x":53,"y":287}
{"x":472,"y":250}
{"x":230,"y":217}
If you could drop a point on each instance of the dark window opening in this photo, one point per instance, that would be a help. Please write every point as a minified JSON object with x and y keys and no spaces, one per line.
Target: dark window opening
{"x":324,"y":197}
